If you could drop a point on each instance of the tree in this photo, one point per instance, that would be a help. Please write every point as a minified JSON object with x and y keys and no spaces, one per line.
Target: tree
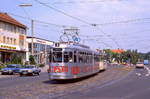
{"x":32,"y":60}
{"x":130,"y":55}
{"x":16,"y":60}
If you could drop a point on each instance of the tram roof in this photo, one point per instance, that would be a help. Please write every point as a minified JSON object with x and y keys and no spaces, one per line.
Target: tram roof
{"x":74,"y":46}
{"x":71,"y":45}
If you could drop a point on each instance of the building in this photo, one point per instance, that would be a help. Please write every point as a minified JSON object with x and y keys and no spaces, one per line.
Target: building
{"x":41,"y":48}
{"x":119,"y":51}
{"x":12,"y":38}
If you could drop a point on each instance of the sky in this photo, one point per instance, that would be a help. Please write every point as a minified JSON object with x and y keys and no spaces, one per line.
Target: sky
{"x":125,"y":35}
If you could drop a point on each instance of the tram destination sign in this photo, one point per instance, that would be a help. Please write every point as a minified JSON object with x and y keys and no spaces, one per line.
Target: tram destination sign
{"x":57,"y":49}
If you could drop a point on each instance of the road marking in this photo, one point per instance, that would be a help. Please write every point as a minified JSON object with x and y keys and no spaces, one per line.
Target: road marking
{"x":148,"y":70}
{"x":138,"y":74}
{"x":115,"y":81}
{"x":147,"y":74}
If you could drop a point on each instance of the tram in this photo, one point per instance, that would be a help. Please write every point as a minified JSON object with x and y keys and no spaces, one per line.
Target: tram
{"x":72,"y":61}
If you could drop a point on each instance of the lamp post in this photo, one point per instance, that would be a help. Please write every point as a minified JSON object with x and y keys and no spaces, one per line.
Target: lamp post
{"x":25,"y":5}
{"x":32,"y":28}
{"x":32,"y":31}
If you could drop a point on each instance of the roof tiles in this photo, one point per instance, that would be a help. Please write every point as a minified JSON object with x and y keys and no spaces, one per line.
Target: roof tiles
{"x":6,"y":18}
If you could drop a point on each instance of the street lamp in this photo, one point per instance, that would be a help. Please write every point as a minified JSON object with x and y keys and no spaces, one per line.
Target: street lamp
{"x":25,"y":5}
{"x":32,"y":26}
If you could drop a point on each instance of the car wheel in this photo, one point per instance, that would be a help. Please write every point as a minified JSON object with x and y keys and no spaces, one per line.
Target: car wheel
{"x":2,"y":73}
{"x":21,"y":75}
{"x":31,"y":74}
{"x":38,"y":73}
{"x":12,"y":73}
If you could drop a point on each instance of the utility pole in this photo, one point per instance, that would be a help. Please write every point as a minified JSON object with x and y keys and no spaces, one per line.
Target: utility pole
{"x":32,"y":34}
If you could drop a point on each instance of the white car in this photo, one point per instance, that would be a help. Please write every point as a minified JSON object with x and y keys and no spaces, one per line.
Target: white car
{"x":29,"y":69}
{"x":139,"y":65}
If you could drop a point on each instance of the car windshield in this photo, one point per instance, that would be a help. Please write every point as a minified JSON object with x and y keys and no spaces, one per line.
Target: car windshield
{"x":29,"y":66}
{"x":139,"y":63}
{"x":11,"y":66}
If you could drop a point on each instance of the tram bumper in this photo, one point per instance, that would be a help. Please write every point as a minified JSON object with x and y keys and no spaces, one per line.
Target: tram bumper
{"x":56,"y":76}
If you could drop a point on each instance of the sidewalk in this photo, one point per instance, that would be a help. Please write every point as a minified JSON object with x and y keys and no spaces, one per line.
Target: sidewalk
{"x":44,"y":69}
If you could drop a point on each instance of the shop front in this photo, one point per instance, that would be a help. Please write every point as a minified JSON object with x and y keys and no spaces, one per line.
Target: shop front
{"x":5,"y":56}
{"x":8,"y":52}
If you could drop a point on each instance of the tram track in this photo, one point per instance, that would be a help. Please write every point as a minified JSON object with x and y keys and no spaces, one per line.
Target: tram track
{"x":46,"y":89}
{"x":98,"y":83}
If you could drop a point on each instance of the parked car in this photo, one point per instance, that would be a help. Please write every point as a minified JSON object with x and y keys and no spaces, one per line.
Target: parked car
{"x":11,"y":69}
{"x":146,"y":62}
{"x":139,"y":65}
{"x":29,"y":70}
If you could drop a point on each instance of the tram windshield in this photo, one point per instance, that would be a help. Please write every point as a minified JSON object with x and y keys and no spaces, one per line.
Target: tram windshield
{"x":57,"y":56}
{"x":68,"y":57}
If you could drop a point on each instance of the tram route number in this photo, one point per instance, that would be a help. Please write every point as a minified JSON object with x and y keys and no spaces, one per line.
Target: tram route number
{"x":74,"y":70}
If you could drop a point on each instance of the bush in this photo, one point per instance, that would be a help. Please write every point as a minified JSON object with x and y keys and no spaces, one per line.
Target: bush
{"x":16,"y":60}
{"x":41,"y":65}
{"x":1,"y":65}
{"x":32,"y":60}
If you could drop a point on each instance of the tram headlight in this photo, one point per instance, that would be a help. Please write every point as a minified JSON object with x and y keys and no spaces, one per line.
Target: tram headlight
{"x":56,"y":71}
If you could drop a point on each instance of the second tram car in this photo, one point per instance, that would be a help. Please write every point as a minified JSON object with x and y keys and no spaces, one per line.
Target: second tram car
{"x":71,"y":61}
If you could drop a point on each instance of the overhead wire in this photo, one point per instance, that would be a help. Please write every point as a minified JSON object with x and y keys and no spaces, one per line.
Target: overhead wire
{"x":86,"y":21}
{"x":73,"y":17}
{"x":95,"y":25}
{"x":24,"y":10}
{"x":114,"y":40}
{"x":96,"y":38}
{"x":39,"y":21}
{"x":62,"y":26}
{"x":62,"y":12}
{"x":102,"y":24}
{"x":84,"y":2}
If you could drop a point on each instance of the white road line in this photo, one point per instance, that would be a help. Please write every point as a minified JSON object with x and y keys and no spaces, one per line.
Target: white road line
{"x":148,"y":71}
{"x":138,"y":74}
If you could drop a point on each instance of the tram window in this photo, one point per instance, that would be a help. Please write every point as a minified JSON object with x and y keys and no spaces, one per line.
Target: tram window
{"x":96,"y":58}
{"x":57,"y":56}
{"x":50,"y":57}
{"x":75,"y":56}
{"x":84,"y":57}
{"x":87,"y":59}
{"x":80,"y":58}
{"x":68,"y":57}
{"x":91,"y":59}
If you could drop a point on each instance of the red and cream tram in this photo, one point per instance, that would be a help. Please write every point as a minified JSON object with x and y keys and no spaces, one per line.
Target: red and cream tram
{"x":71,"y":61}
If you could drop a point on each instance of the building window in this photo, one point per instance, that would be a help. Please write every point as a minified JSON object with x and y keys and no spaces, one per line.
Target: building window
{"x":14,"y":41}
{"x":7,"y":40}
{"x":21,"y":43}
{"x":11,"y":40}
{"x":4,"y":39}
{"x":20,"y":30}
{"x":1,"y":25}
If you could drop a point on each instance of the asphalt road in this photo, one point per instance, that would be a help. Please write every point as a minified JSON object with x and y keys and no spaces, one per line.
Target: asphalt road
{"x":16,"y":80}
{"x":136,"y":85}
{"x":39,"y":87}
